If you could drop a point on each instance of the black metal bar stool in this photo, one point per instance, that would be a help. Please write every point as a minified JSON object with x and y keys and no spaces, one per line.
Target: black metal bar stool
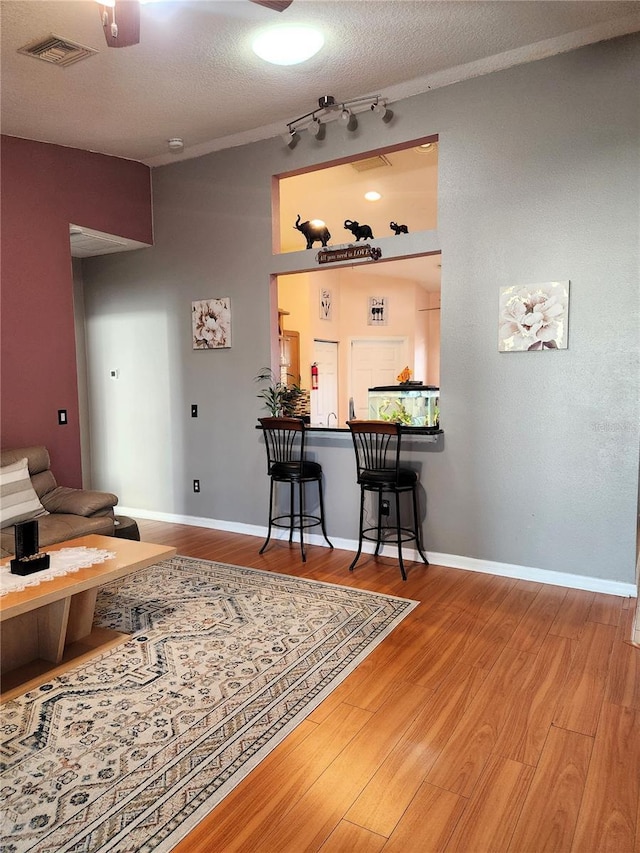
{"x":377,"y":448}
{"x":284,"y":439}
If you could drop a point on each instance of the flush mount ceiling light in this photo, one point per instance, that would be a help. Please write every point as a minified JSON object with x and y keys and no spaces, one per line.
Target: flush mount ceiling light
{"x":175,"y":144}
{"x":288,"y":44}
{"x":344,"y":111}
{"x":372,"y":195}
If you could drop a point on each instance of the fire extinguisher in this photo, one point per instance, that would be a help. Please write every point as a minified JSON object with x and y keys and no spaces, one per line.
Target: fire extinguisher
{"x":314,"y":376}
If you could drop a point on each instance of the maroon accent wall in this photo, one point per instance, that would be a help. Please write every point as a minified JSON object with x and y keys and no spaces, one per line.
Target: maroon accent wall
{"x":44,"y":188}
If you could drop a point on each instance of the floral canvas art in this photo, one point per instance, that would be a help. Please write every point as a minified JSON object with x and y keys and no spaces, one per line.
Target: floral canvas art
{"x":211,"y":323}
{"x":534,"y":317}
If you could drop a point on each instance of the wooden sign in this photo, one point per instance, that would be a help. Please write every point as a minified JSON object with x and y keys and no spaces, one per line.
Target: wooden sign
{"x":349,"y":253}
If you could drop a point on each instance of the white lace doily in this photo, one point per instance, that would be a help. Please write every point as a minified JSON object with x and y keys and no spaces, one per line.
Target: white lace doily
{"x":63,"y":562}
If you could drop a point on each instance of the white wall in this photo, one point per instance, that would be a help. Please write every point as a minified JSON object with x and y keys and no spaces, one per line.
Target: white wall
{"x":538,"y":181}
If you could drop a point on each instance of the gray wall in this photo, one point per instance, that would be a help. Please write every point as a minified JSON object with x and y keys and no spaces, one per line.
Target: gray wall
{"x":538,"y":181}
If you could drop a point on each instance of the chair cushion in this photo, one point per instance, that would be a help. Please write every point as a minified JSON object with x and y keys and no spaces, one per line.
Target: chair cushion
{"x":61,"y":526}
{"x":18,"y":500}
{"x":83,"y":502}
{"x":291,"y":471}
{"x":37,"y":456}
{"x":387,"y":477}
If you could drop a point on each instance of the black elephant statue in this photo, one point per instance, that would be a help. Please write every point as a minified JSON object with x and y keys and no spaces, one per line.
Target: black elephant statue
{"x":313,"y":231}
{"x":398,"y":229}
{"x":360,"y":232}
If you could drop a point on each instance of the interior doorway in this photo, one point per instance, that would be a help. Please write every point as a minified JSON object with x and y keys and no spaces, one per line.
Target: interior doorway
{"x":374,"y":361}
{"x":324,"y":398}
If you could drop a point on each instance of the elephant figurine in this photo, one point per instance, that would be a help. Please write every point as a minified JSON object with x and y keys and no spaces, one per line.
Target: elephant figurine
{"x":360,"y":232}
{"x":313,"y":232}
{"x":398,"y":229}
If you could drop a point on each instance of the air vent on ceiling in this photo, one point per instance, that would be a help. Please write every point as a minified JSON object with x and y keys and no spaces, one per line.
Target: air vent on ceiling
{"x":370,"y":163}
{"x":57,"y":50}
{"x":87,"y":245}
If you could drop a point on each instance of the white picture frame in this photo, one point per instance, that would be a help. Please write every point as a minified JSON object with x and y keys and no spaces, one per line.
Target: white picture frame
{"x":326,"y":303}
{"x":534,"y":317}
{"x":378,"y":311}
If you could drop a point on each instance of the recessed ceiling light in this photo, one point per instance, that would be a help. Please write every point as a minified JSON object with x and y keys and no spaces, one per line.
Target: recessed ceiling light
{"x":287,"y":44}
{"x":372,"y":196}
{"x":426,"y":147}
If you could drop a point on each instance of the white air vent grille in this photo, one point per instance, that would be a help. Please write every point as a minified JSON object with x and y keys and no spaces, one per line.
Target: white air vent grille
{"x":87,"y":243}
{"x":57,"y":50}
{"x":370,"y":163}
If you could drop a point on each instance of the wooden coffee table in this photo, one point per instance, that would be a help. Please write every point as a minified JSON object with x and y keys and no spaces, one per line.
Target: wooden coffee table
{"x":48,"y":628}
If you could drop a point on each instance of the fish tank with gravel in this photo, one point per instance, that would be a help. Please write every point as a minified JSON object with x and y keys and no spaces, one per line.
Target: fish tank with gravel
{"x":410,"y":404}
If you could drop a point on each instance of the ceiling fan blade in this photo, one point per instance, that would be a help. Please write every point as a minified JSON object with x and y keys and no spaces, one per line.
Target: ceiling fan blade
{"x":276,"y":5}
{"x":126,"y":14}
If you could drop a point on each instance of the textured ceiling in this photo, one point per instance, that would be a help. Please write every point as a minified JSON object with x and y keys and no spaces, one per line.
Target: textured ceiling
{"x":194,"y":76}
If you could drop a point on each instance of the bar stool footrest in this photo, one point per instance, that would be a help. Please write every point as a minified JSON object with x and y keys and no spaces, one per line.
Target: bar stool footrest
{"x":284,"y":521}
{"x":371,"y":533}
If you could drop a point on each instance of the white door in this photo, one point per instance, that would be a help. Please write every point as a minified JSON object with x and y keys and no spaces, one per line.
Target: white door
{"x":324,"y":399}
{"x":374,"y":361}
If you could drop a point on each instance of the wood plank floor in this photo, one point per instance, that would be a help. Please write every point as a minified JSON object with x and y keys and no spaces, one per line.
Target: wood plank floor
{"x":501,"y":716}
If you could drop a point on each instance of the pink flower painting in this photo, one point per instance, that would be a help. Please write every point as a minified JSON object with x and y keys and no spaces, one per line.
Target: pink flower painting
{"x":211,"y":323}
{"x":533,"y":317}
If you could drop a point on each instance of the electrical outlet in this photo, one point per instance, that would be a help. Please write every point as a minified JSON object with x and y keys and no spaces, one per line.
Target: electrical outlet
{"x":196,"y":485}
{"x":62,"y":417}
{"x":194,"y":410}
{"x":384,"y":508}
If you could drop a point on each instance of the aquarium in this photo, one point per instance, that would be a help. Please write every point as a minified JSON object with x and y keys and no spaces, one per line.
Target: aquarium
{"x":410,"y":404}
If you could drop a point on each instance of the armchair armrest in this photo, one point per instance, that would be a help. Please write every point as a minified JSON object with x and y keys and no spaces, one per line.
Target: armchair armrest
{"x":83,"y":502}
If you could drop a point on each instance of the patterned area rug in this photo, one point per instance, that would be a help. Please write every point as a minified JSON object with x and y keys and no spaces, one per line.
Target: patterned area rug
{"x":129,"y":751}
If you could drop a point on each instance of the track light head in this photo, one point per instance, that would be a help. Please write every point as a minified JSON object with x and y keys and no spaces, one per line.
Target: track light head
{"x":348,"y":119}
{"x":319,"y":129}
{"x":291,"y":137}
{"x":381,"y":109}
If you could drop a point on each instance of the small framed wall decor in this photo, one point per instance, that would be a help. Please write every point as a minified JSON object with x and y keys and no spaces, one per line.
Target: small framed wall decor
{"x":326,"y":304}
{"x":211,"y":323}
{"x":533,"y":317}
{"x":378,"y":311}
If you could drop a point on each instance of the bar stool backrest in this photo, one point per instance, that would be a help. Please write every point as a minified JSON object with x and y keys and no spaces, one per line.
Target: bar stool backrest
{"x":285,"y":440}
{"x":377,"y":448}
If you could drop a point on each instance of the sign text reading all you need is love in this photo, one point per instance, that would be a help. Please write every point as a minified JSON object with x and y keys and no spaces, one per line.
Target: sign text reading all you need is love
{"x":350,"y":253}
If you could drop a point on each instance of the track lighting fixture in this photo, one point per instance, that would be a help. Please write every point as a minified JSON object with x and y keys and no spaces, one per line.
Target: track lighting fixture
{"x":342,"y":111}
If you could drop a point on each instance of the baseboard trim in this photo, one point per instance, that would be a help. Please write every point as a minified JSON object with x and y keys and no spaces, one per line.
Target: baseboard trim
{"x":451,"y":561}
